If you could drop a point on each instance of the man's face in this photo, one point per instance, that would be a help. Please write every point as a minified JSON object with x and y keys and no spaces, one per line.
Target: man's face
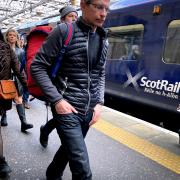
{"x":95,"y":13}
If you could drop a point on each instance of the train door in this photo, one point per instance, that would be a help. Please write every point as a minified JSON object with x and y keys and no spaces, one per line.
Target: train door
{"x":124,"y":53}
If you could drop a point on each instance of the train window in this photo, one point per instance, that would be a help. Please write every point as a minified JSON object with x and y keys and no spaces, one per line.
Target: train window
{"x":125,"y":42}
{"x":172,"y":46}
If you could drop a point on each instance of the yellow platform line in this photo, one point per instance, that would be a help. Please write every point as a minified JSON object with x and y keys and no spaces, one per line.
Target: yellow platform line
{"x":154,"y":152}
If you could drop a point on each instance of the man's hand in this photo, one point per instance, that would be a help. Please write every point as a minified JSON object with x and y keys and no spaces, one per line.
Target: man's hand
{"x":63,"y":107}
{"x":96,"y":114}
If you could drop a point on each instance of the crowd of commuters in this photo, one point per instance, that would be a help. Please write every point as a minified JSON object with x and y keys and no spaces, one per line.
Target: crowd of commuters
{"x":78,"y":106}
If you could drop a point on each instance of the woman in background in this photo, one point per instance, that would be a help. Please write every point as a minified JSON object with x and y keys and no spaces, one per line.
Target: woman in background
{"x":8,"y":61}
{"x":12,"y":40}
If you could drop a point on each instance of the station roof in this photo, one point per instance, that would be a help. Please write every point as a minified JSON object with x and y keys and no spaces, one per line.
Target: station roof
{"x":14,"y":13}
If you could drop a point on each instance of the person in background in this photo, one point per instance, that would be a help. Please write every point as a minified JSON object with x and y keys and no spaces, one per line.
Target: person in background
{"x":23,"y":64}
{"x":77,"y":105}
{"x":68,"y":15}
{"x":8,"y":63}
{"x":135,"y":52}
{"x":21,"y":42}
{"x":11,"y":38}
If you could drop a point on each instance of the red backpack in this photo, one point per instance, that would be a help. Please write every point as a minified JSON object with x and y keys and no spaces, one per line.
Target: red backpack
{"x":34,"y":41}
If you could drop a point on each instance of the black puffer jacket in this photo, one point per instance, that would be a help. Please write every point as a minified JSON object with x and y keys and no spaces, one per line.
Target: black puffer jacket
{"x":76,"y":82}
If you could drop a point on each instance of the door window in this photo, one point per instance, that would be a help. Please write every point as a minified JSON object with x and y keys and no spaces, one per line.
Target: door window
{"x":125,"y":42}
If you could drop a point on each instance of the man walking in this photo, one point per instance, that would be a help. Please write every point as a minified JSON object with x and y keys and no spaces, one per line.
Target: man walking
{"x":77,"y":92}
{"x":68,"y":15}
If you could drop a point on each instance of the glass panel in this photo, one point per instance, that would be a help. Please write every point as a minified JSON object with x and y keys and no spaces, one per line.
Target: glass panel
{"x":125,"y":42}
{"x":172,"y":47}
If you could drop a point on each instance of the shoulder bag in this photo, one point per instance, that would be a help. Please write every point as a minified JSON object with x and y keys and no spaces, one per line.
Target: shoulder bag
{"x":7,"y":90}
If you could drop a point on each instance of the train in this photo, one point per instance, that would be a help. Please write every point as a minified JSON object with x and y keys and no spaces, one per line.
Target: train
{"x":143,"y":61}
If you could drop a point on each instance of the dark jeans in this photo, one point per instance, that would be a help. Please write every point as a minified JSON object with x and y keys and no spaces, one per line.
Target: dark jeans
{"x":72,"y":129}
{"x":25,"y":96}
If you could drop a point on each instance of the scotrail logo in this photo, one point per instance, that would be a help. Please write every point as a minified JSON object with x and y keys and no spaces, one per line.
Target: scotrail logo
{"x":158,"y":87}
{"x":133,"y":79}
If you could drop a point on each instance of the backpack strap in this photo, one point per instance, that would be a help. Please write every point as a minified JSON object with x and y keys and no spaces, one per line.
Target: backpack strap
{"x":67,"y":41}
{"x":69,"y":34}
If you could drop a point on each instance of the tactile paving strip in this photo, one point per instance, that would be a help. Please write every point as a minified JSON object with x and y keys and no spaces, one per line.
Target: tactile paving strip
{"x":154,"y":152}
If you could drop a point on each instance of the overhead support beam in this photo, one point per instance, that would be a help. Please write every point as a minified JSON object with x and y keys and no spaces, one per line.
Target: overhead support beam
{"x":24,"y":5}
{"x":25,"y":9}
{"x":5,"y":9}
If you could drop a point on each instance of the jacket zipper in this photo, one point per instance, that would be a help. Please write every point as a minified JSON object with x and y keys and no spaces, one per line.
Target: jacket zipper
{"x":89,"y":79}
{"x":64,"y":85}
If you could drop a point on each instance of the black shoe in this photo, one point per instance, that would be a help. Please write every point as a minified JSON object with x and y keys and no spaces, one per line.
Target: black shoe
{"x":4,"y":120}
{"x":26,"y":105}
{"x":4,"y":168}
{"x":43,"y":137}
{"x":32,"y":98}
{"x":4,"y":123}
{"x":50,"y":178}
{"x":25,"y":126}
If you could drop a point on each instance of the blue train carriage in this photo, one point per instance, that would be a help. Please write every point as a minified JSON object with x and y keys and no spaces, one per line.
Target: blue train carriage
{"x":143,"y":63}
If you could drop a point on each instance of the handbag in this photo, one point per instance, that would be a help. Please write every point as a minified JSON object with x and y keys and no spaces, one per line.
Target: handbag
{"x":7,"y":90}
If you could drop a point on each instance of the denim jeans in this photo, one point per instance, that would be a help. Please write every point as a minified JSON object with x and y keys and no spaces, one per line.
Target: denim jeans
{"x":72,"y":129}
{"x":25,"y":96}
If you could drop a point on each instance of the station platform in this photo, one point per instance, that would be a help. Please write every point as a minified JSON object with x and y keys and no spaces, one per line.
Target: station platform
{"x":120,"y":147}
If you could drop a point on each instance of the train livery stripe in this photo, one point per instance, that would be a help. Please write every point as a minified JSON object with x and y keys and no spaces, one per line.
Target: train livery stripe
{"x":154,"y":152}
